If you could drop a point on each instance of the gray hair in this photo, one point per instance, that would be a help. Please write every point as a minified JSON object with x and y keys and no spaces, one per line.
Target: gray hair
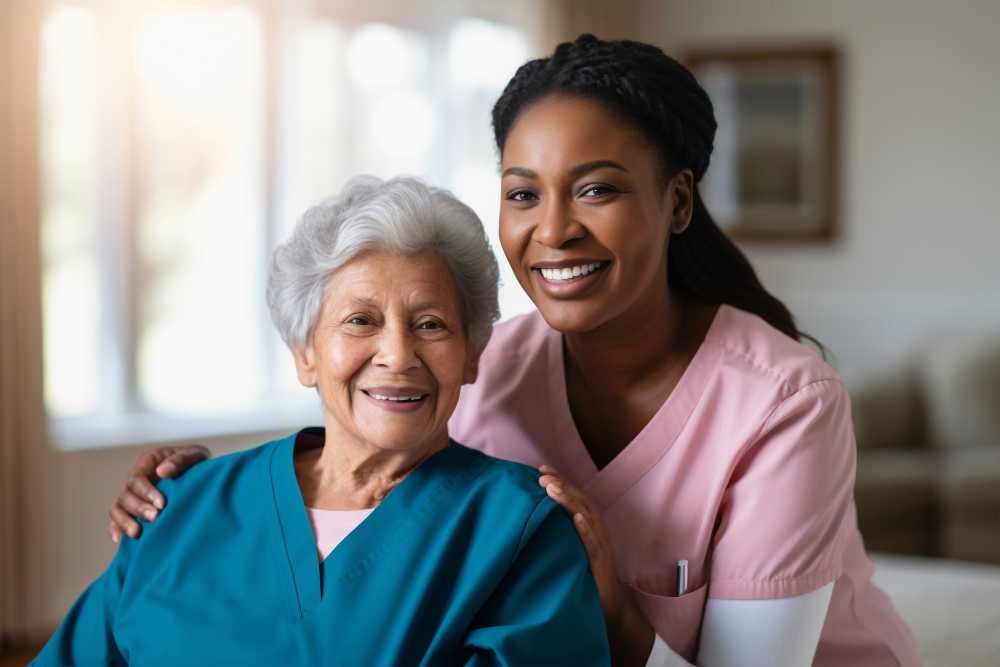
{"x":402,"y":215}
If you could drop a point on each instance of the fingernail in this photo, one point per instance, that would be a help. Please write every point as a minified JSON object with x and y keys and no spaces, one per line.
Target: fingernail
{"x":579,"y":518}
{"x":149,"y":514}
{"x":555,"y":488}
{"x":158,"y":503}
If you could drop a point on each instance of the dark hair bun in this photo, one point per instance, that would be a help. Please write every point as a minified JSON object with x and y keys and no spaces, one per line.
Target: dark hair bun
{"x":639,"y":82}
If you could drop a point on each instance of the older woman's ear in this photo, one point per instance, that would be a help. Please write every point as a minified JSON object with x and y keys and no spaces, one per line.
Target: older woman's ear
{"x":305,"y":364}
{"x":471,"y":371}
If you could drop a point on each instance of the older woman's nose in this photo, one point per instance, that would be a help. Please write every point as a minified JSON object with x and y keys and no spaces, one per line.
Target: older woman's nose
{"x":557,"y":226}
{"x":397,"y":350}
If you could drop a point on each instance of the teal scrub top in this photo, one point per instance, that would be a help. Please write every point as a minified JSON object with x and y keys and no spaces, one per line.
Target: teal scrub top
{"x":466,"y":561}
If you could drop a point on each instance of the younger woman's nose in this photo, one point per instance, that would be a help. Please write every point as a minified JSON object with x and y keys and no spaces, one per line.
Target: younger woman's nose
{"x":556,"y":226}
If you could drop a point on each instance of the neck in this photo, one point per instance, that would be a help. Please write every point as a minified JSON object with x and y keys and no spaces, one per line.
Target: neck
{"x":349,"y":474}
{"x":635,"y":345}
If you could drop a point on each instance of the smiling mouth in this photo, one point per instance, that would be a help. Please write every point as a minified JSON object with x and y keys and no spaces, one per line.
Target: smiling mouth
{"x":396,"y":399}
{"x":571,"y":273}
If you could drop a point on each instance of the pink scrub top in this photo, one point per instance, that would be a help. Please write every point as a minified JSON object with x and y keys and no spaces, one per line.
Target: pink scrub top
{"x":746,"y":471}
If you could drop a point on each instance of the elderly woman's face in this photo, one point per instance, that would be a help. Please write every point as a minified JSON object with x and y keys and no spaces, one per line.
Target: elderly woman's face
{"x":389,"y":352}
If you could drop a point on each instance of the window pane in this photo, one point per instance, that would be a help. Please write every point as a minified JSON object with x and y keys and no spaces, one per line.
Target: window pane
{"x":70,"y":279}
{"x":383,"y":100}
{"x":200,"y":147}
{"x":482,"y":58}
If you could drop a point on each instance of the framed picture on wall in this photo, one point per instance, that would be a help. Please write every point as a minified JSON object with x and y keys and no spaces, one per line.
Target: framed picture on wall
{"x":773,"y":174}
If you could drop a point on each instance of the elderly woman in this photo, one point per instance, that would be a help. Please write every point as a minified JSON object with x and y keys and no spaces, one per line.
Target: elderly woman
{"x":429,"y":553}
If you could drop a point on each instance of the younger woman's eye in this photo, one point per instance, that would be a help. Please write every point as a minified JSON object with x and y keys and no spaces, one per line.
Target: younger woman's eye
{"x":521,"y":195}
{"x":597,"y":191}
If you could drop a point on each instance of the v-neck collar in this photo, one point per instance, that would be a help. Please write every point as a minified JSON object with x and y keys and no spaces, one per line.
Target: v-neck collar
{"x":405,"y":508}
{"x":605,"y":486}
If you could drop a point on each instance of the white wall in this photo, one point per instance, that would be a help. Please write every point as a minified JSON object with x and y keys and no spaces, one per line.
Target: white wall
{"x":918,"y":248}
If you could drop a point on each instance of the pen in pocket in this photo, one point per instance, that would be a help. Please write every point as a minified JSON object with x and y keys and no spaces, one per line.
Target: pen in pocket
{"x":682,"y":577}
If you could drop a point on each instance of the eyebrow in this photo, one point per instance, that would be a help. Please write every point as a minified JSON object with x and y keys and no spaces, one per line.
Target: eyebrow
{"x":596,"y":164}
{"x":575,"y":171}
{"x":519,"y":171}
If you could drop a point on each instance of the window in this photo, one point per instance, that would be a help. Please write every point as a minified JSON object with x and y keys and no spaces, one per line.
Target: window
{"x":180,"y":142}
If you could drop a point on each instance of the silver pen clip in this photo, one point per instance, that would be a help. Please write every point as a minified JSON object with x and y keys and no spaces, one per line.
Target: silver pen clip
{"x":682,"y":577}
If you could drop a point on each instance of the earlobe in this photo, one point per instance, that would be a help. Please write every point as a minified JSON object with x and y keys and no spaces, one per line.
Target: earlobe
{"x":305,"y":365}
{"x":681,"y":193}
{"x":471,"y":371}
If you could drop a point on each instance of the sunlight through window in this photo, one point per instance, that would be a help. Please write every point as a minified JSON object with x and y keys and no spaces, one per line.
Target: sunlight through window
{"x":199,"y":98}
{"x":71,"y":279}
{"x":181,"y":142}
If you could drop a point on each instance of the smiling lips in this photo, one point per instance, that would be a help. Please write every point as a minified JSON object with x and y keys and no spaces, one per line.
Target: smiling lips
{"x":568,"y":273}
{"x":569,"y":279}
{"x":397,"y":399}
{"x":401,"y":399}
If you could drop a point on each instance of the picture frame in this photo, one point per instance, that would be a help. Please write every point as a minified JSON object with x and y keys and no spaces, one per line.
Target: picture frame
{"x":773,"y":174}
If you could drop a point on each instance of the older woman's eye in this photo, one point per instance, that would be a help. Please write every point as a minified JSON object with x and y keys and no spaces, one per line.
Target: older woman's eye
{"x":429,"y":325}
{"x":360,"y":321}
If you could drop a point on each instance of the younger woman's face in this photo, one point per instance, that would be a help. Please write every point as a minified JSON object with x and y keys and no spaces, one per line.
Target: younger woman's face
{"x":585,"y":215}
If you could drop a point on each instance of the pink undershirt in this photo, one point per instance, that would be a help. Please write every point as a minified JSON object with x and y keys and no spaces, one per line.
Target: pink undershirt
{"x":331,"y":526}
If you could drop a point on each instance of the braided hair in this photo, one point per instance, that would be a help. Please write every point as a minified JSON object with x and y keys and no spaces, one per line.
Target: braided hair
{"x":661,"y":99}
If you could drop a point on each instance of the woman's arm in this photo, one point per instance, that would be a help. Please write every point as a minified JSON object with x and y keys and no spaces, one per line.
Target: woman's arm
{"x":755,"y":632}
{"x":139,"y":495}
{"x":86,"y":635}
{"x":630,"y":636}
{"x":763,"y":632}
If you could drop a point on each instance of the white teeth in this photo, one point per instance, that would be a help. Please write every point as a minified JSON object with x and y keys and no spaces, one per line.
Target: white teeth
{"x":395,"y":398}
{"x":556,"y":275}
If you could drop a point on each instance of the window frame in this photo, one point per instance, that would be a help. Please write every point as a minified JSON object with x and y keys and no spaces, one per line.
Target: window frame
{"x":121,"y":417}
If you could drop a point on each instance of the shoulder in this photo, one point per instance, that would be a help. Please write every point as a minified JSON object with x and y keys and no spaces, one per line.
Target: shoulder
{"x":219,"y":473}
{"x":518,"y":336}
{"x":513,"y":380}
{"x":764,"y":356}
{"x":507,"y":496}
{"x":504,"y":479}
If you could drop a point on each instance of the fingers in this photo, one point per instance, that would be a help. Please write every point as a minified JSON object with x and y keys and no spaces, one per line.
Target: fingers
{"x":182,"y":458}
{"x":139,"y":484}
{"x":591,"y":542}
{"x":115,"y":532}
{"x":567,"y":495}
{"x":136,"y":506}
{"x":125,"y":521}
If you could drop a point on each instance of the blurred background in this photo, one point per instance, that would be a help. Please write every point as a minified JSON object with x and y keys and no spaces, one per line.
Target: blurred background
{"x":153,"y":152}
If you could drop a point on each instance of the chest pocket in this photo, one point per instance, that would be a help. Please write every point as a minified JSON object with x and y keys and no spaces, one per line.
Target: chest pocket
{"x":676,"y":619}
